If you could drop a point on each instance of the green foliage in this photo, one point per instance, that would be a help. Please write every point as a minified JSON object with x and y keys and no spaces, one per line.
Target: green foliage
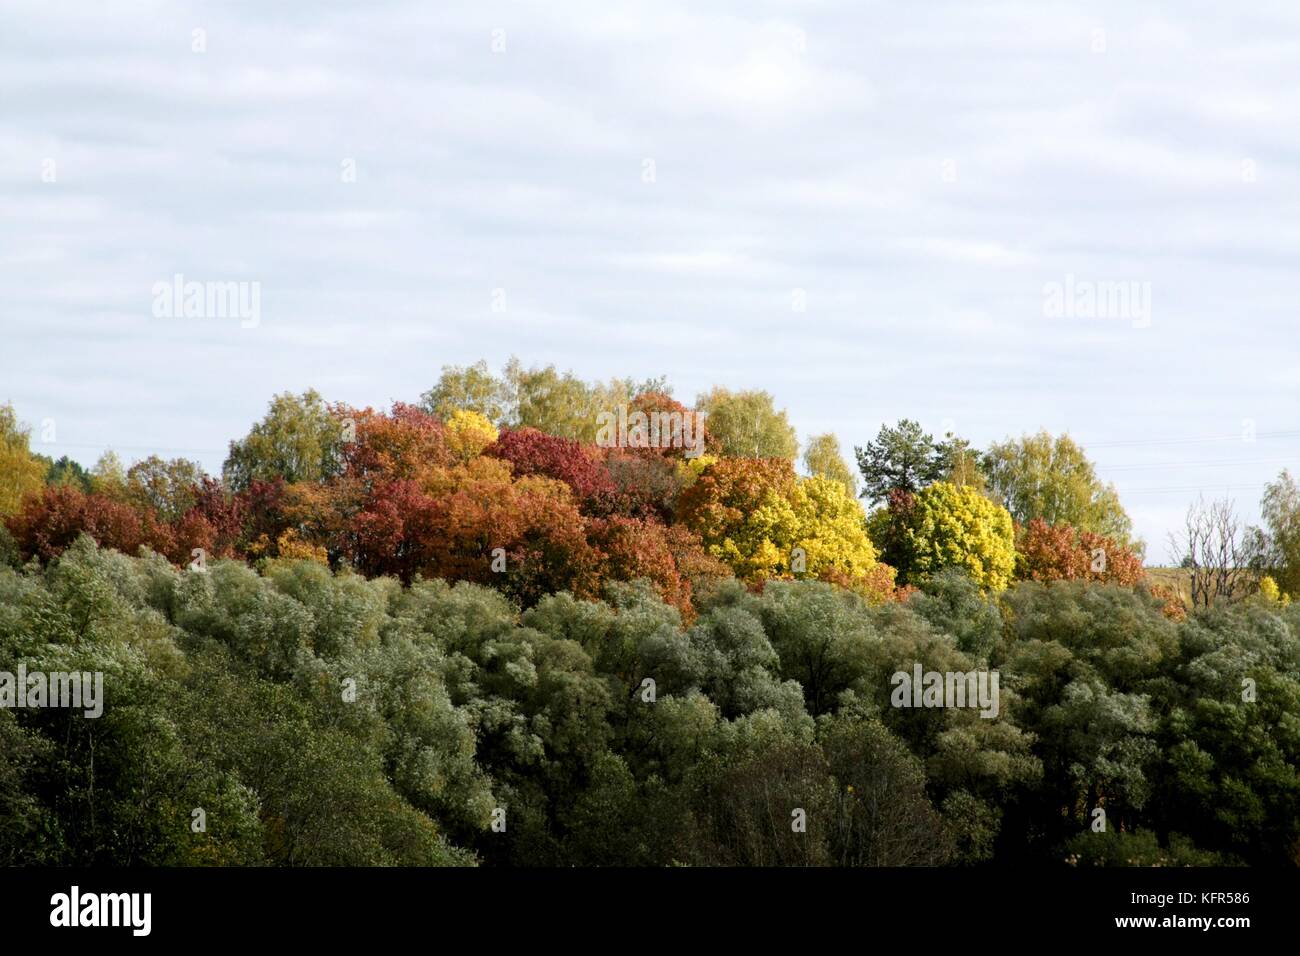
{"x":1038,"y":476}
{"x":468,"y":388}
{"x":901,"y":459}
{"x":822,"y":457}
{"x":1280,"y":509}
{"x":322,"y":718}
{"x":297,"y":440}
{"x":746,"y":424}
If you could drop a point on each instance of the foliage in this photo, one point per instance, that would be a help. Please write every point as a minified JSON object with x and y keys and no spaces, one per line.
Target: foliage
{"x":297,"y":440}
{"x":1063,"y":553}
{"x":1038,"y":476}
{"x":951,"y":526}
{"x":21,"y":472}
{"x":901,"y":460}
{"x":822,"y":457}
{"x":746,"y":424}
{"x":323,"y":718}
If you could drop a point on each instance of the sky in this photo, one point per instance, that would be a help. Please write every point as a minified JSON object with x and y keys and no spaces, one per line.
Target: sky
{"x":993,"y":218}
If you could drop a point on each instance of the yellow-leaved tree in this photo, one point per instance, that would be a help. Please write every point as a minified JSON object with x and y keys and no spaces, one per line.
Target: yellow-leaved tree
{"x":21,"y":472}
{"x":763,"y":521}
{"x":468,"y":433}
{"x":951,"y":526}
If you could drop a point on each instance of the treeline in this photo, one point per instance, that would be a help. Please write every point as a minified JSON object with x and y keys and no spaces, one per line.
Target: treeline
{"x":508,"y":481}
{"x":482,"y":629}
{"x":325,"y":718}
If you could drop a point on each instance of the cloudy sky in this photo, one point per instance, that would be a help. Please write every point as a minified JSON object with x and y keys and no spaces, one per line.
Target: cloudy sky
{"x":871,"y":210}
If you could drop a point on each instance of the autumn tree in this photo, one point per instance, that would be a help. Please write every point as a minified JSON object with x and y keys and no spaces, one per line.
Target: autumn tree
{"x":51,"y":522}
{"x":21,"y":472}
{"x":758,"y":517}
{"x":532,"y":452}
{"x":945,"y":526}
{"x":1063,"y":553}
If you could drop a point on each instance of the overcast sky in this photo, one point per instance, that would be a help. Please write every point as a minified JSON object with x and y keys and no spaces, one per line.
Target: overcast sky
{"x":863,"y":208}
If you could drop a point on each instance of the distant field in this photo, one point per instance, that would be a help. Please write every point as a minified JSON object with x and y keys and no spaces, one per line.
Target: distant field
{"x":1180,"y":579}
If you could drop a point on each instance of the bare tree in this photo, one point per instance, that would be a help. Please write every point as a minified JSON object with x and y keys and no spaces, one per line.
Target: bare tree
{"x":1218,"y":551}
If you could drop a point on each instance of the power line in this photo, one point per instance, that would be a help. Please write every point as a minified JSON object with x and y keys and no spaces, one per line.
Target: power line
{"x":1140,"y":442}
{"x":1208,"y":463}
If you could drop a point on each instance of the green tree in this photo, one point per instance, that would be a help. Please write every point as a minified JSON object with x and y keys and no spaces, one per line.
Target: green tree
{"x":108,"y":477}
{"x":471,"y":388}
{"x":746,"y":424}
{"x":822,"y":457}
{"x":297,"y":440}
{"x":959,"y":463}
{"x":1280,"y":508}
{"x":168,"y":487}
{"x":1038,"y":476}
{"x":552,"y":402}
{"x":901,"y":459}
{"x":66,"y":471}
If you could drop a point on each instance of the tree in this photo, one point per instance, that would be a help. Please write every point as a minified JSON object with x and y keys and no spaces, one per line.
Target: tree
{"x":753,"y":513}
{"x":21,"y":472}
{"x":1280,"y":551}
{"x":957,"y":527}
{"x":746,"y":424}
{"x":468,"y":433}
{"x":108,"y":477}
{"x":1038,"y":476}
{"x":554,"y":403}
{"x":471,"y":389}
{"x":958,"y":463}
{"x":1061,"y":552}
{"x":52,"y":521}
{"x":1215,"y":549}
{"x":66,"y":471}
{"x":531,"y":452}
{"x":902,"y":459}
{"x":168,"y":487}
{"x":822,"y":457}
{"x":297,"y":440}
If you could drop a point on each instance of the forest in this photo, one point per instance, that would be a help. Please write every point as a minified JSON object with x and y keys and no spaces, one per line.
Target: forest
{"x":474,"y":629}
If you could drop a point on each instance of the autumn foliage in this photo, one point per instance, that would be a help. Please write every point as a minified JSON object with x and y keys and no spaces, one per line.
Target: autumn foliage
{"x":1061,"y":552}
{"x":409,"y":494}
